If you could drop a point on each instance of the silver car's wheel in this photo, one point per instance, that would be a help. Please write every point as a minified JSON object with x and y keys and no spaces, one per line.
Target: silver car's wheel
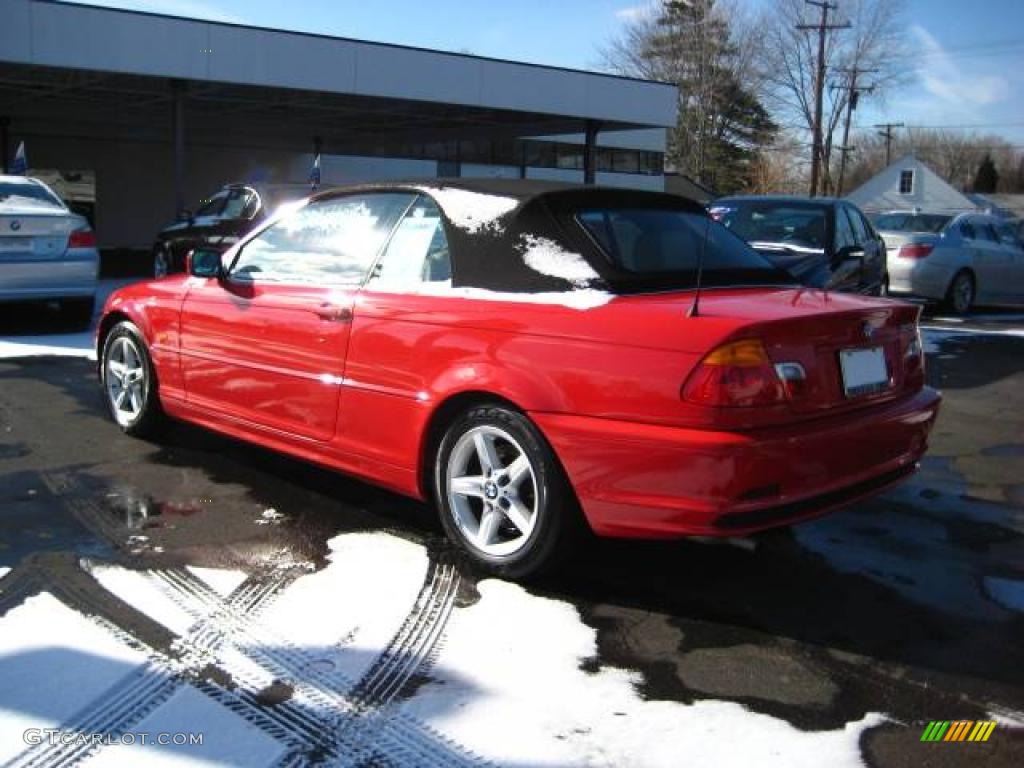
{"x":161,"y":263}
{"x":961,"y":293}
{"x":127,"y":380}
{"x":492,"y":491}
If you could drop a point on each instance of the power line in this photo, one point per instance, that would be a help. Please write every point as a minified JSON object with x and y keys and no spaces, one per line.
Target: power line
{"x":823,"y":28}
{"x":888,"y":134}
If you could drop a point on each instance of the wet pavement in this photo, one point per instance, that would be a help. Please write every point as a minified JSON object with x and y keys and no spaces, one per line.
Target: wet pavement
{"x":910,"y":605}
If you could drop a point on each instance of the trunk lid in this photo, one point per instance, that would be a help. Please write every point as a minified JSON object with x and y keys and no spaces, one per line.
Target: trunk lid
{"x":34,"y":235}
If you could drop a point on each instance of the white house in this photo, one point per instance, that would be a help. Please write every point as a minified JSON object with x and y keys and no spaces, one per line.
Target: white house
{"x":908,"y":183}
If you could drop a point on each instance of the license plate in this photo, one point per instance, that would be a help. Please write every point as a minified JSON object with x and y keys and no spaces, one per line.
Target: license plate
{"x":864,"y":371}
{"x":15,"y":244}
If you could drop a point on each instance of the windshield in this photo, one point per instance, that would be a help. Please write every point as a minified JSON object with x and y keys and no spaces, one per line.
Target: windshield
{"x":912,"y":222}
{"x":661,"y":248}
{"x":796,"y":225}
{"x":28,"y":195}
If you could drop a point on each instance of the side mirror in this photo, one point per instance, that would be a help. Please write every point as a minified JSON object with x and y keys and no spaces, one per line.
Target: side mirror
{"x":185,"y":216}
{"x":850,"y":253}
{"x":203,"y":262}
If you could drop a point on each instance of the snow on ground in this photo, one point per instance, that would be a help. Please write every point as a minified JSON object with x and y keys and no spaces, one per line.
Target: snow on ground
{"x":511,"y":665}
{"x":4,"y":571}
{"x":933,"y":336}
{"x":549,"y":258}
{"x":503,"y":684}
{"x":53,"y":662}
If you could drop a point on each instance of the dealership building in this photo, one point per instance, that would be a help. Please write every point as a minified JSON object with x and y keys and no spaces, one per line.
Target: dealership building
{"x":163,"y":110}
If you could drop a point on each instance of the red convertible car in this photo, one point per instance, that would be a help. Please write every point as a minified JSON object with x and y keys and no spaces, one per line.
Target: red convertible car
{"x":535,"y":358}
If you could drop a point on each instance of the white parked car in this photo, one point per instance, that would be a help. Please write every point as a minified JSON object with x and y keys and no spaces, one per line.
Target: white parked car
{"x":963,"y":260}
{"x":46,"y":251}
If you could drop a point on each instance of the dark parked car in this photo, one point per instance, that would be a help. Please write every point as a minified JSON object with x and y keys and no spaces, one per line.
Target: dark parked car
{"x":823,"y":242}
{"x":220,"y":221}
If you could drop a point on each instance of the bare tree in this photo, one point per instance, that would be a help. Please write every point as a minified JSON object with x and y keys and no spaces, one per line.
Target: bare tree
{"x":875,"y":42}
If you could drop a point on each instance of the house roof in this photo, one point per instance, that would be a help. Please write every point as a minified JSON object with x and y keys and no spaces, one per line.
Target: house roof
{"x":929,"y":191}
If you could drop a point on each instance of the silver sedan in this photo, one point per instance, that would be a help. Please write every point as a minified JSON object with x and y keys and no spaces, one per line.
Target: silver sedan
{"x":46,"y":251}
{"x":961,"y":260}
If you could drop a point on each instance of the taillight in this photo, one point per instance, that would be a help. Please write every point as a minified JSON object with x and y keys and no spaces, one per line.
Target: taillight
{"x":915,"y":250}
{"x":737,"y":374}
{"x":913,"y":353}
{"x":82,"y":238}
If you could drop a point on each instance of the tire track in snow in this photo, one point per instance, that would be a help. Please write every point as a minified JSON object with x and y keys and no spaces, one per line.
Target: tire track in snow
{"x":132,"y":699}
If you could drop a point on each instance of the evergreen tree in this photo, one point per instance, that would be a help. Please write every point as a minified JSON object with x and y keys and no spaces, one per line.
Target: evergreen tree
{"x":987,"y":178}
{"x":722,"y":126}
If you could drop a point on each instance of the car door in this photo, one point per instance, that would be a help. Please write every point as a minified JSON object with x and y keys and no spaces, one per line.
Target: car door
{"x":1011,"y":281}
{"x":847,"y":272}
{"x":266,"y":343}
{"x":873,"y":267}
{"x":989,"y":258}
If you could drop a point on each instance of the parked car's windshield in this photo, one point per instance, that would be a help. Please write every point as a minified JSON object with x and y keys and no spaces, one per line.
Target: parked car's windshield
{"x":646,"y":243}
{"x":912,"y":222}
{"x":27,"y":195}
{"x":799,"y":225}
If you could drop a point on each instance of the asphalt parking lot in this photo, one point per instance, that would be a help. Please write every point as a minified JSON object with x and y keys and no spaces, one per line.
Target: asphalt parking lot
{"x":305,"y":618}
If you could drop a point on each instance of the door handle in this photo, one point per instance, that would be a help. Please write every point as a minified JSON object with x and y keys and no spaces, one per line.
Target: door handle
{"x":333,"y":312}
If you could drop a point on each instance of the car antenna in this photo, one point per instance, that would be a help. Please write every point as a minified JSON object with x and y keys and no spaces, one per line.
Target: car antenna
{"x":695,"y":307}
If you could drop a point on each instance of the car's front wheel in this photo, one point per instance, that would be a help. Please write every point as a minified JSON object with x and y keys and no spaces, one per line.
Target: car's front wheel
{"x":502,"y":495}
{"x":128,"y":381}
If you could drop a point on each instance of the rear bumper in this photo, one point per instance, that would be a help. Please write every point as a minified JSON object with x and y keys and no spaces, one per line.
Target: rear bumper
{"x":75,"y":274}
{"x":642,"y":480}
{"x":919,"y":277}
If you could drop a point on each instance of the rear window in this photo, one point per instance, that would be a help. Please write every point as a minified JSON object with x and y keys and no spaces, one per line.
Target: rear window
{"x":912,"y":222}
{"x":803,"y":225}
{"x":666,"y":244}
{"x":27,"y":195}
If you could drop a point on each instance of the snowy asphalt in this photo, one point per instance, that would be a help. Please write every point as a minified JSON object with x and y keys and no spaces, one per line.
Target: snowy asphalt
{"x":294,"y":616}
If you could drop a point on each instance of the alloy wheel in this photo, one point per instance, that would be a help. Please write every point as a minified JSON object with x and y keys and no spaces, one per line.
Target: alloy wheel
{"x":492,"y":491}
{"x":963,"y":293}
{"x":126,"y":379}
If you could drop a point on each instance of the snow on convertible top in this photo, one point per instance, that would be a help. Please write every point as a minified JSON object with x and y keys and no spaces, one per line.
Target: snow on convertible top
{"x":549,"y":258}
{"x":471,"y":211}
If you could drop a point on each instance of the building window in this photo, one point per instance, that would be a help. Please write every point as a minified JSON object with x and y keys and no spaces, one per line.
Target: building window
{"x":906,"y":182}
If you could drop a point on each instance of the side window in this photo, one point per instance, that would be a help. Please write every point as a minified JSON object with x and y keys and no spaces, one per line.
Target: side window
{"x":417,"y":252}
{"x":986,"y":231}
{"x":860,"y":231}
{"x":328,"y":242}
{"x":236,"y":203}
{"x":967,"y":229}
{"x":844,"y":232}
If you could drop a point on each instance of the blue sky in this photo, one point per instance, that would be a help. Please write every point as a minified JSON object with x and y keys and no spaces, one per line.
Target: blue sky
{"x":972,"y":73}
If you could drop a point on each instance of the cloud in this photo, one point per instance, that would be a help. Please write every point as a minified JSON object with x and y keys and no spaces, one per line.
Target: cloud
{"x":192,"y":9}
{"x":944,"y":79}
{"x":634,"y":12}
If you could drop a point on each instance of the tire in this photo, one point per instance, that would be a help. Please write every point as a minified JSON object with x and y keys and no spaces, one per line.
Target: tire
{"x":130,"y":396}
{"x":163,"y":263}
{"x":530,"y":512}
{"x":961,"y":293}
{"x":78,"y":312}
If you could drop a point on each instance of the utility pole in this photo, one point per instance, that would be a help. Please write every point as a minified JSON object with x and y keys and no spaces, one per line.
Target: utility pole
{"x":851,"y":104}
{"x":887,"y":133}
{"x":823,"y":28}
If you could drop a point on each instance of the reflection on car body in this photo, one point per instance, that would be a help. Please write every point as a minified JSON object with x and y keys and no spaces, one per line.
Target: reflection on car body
{"x":527,"y":355}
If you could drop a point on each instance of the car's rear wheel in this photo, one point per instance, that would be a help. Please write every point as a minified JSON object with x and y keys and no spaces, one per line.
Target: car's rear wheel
{"x":78,"y":312}
{"x":502,"y":495}
{"x":960,"y":297}
{"x":128,"y":381}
